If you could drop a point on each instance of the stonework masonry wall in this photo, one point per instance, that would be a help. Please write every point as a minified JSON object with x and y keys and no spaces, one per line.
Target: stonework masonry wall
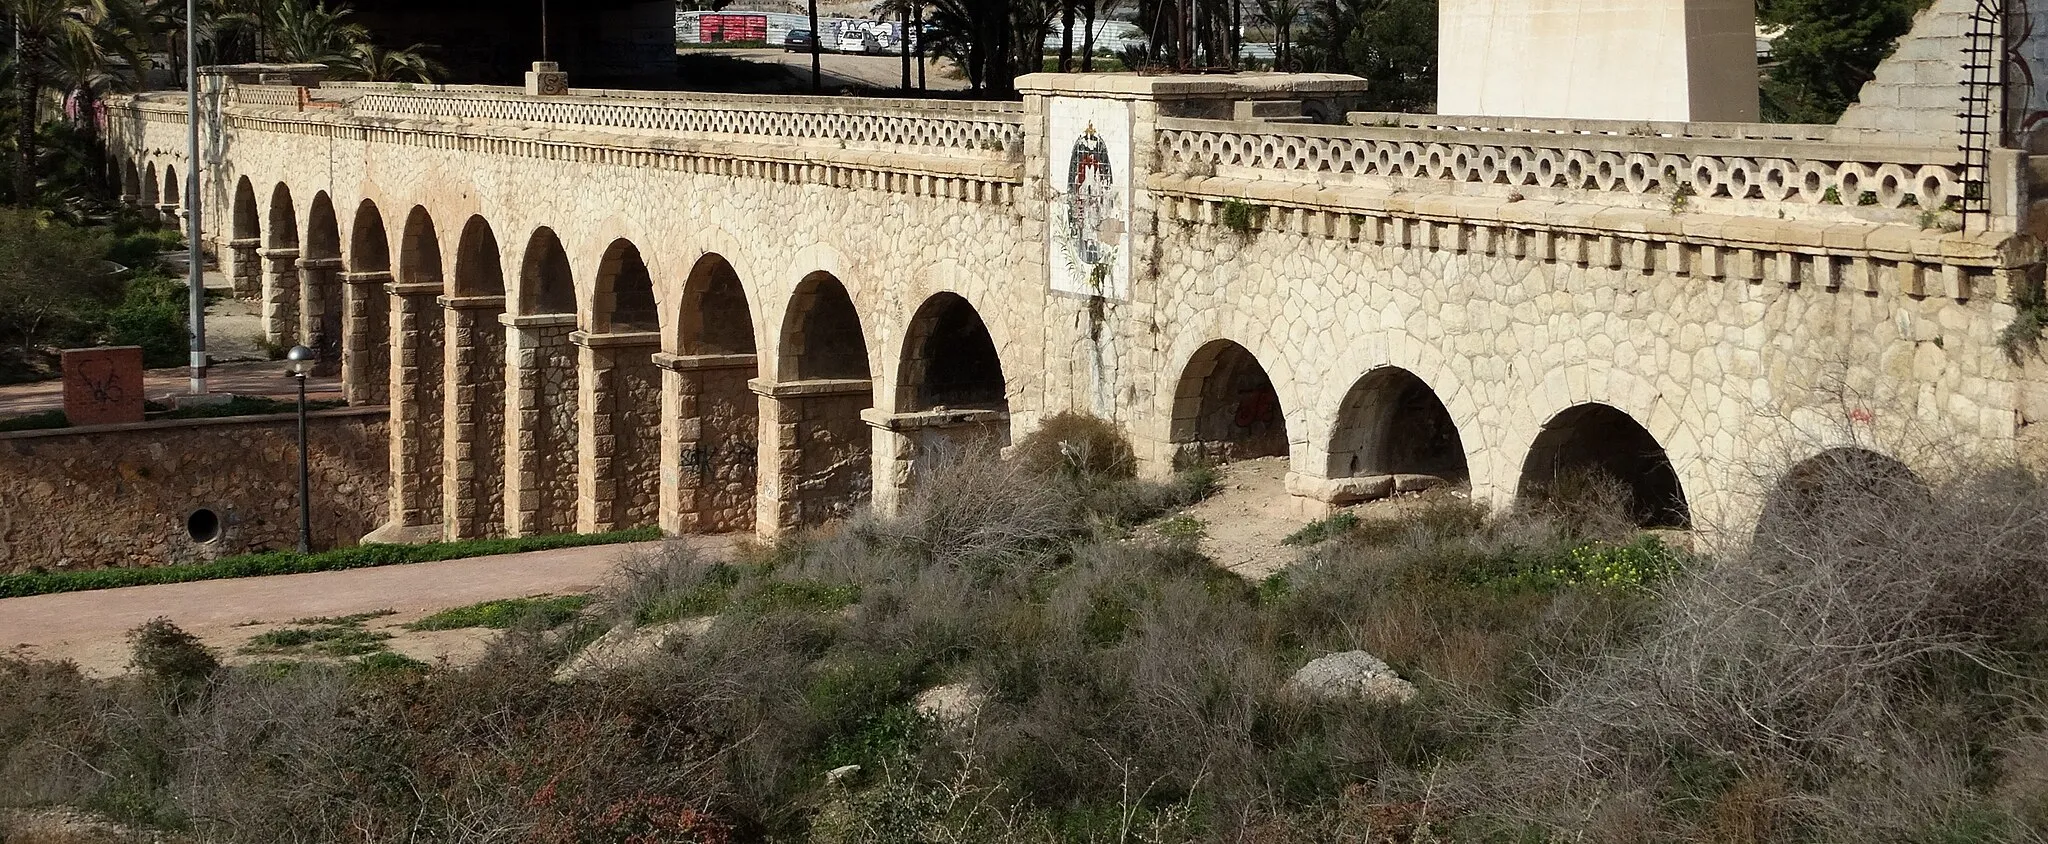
{"x":122,"y":495}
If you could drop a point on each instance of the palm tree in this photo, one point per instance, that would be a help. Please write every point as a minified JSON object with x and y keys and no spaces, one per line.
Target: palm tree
{"x":313,"y":35}
{"x":371,"y":63}
{"x":46,"y":29}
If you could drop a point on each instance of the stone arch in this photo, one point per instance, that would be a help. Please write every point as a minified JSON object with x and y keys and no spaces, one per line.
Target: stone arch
{"x":547,"y":282}
{"x":1226,"y":408}
{"x":950,"y":360}
{"x":149,"y":186}
{"x":131,"y":180}
{"x":477,"y":269}
{"x":1600,"y":439}
{"x":283,"y":223}
{"x":246,"y":224}
{"x":715,"y":444}
{"x":821,"y":448}
{"x":171,"y":196}
{"x":623,"y":297}
{"x":821,"y":335}
{"x":715,"y":318}
{"x":320,"y":294}
{"x":366,"y":309}
{"x":1393,"y":423}
{"x":543,"y":392}
{"x":1837,"y":497}
{"x":475,"y":377}
{"x":369,"y":249}
{"x":419,"y":249}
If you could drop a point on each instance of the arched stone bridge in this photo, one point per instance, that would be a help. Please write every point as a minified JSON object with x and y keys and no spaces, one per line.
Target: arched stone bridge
{"x":722,"y":313}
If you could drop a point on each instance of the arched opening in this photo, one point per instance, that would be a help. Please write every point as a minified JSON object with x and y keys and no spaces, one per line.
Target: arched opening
{"x":547,"y":284}
{"x":821,"y":337}
{"x":246,"y":223}
{"x":284,"y":219}
{"x":369,"y":249}
{"x":1592,"y":444}
{"x":819,"y":430}
{"x":949,"y":359}
{"x":545,"y":392}
{"x":245,"y":264}
{"x":624,"y":299}
{"x":320,"y":303}
{"x":131,"y":181}
{"x":717,"y":454}
{"x":1392,"y":423}
{"x":171,"y":196}
{"x":419,"y":250}
{"x":366,"y":342}
{"x":149,"y":186}
{"x":1839,"y":497}
{"x":715,"y":317}
{"x":477,"y":269}
{"x":475,"y":410}
{"x":1226,"y":408}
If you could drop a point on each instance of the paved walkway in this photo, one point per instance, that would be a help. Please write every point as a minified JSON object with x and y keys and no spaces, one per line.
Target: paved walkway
{"x":243,"y":379}
{"x":90,"y":628}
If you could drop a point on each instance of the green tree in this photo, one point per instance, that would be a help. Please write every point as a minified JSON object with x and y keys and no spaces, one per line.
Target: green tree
{"x":1391,"y":42}
{"x":368,"y":62}
{"x":51,"y":275}
{"x":44,"y":30}
{"x":1828,"y":49}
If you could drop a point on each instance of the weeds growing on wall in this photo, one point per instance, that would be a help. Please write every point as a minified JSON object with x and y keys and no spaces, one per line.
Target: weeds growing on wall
{"x":1242,"y":217}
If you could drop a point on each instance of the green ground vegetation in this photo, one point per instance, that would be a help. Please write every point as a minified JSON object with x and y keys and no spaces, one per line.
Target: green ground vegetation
{"x":1869,"y":672}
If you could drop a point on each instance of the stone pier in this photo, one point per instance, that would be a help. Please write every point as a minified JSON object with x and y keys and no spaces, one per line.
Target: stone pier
{"x":815,"y":451}
{"x":320,"y":312}
{"x":244,"y":266}
{"x":907,"y":444}
{"x":540,"y":434}
{"x":711,"y":443}
{"x":473,"y":433}
{"x":618,"y":426}
{"x":366,"y":348}
{"x":416,"y":406}
{"x":281,"y":295}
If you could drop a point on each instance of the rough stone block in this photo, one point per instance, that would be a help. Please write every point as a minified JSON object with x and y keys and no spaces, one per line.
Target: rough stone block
{"x":103,"y":386}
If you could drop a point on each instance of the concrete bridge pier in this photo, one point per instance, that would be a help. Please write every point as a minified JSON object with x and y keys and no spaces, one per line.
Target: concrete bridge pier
{"x":618,"y":430}
{"x":540,"y":424}
{"x":416,"y":406}
{"x":816,"y":454}
{"x":473,"y":438}
{"x":280,"y":294}
{"x":366,"y":336}
{"x":710,"y":454}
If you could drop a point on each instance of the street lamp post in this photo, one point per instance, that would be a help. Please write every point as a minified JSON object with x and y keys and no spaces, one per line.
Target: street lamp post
{"x":299,"y":364}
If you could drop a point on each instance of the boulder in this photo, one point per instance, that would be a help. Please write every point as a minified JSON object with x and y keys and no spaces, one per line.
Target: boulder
{"x":623,"y":646}
{"x":951,"y":706}
{"x":841,"y":774}
{"x":1351,"y":675}
{"x":1347,"y":491}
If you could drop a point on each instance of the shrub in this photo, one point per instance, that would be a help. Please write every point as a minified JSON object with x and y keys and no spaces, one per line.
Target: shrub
{"x":1076,"y":444}
{"x":168,"y":655}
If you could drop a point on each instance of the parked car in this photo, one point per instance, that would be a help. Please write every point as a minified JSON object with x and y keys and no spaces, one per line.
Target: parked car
{"x":798,"y":39}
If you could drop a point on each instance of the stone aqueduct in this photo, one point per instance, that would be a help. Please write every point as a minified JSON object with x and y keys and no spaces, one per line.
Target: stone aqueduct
{"x":714,"y":313}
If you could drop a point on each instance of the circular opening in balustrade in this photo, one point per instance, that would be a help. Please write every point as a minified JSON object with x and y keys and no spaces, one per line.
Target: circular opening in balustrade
{"x":203,"y":525}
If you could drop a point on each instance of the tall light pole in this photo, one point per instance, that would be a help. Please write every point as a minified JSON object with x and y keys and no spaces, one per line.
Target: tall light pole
{"x":817,"y":83}
{"x":195,"y":263}
{"x":299,"y":364}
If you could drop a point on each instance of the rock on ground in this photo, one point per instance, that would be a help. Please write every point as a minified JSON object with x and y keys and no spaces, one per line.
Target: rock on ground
{"x":952,"y":706}
{"x":1351,"y":675}
{"x":624,"y":646}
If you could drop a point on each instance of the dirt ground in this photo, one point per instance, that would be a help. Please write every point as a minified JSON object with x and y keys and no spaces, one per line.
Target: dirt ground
{"x":90,"y":628}
{"x":1244,"y":523}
